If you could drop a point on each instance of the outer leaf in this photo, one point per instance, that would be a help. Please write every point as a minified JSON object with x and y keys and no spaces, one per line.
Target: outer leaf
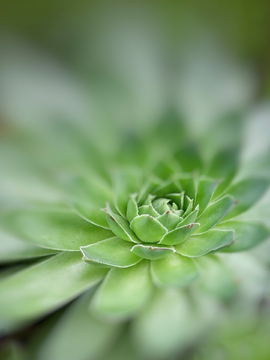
{"x":53,"y":230}
{"x":164,"y":325}
{"x":43,"y":288}
{"x":120,"y":226}
{"x":93,"y":215}
{"x":247,"y":234}
{"x":113,"y":252}
{"x":69,"y":337}
{"x":179,"y":235}
{"x":148,"y":229}
{"x":215,"y":212}
{"x":87,"y":196}
{"x":202,"y":244}
{"x":223,"y":167}
{"x":13,"y":249}
{"x":189,"y":158}
{"x":246,"y":193}
{"x":173,"y":270}
{"x":216,"y":278}
{"x":124,"y":291}
{"x":152,"y":252}
{"x":206,"y":189}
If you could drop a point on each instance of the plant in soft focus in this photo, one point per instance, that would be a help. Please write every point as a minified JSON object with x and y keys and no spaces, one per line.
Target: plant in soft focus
{"x":126,"y":233}
{"x":151,"y":254}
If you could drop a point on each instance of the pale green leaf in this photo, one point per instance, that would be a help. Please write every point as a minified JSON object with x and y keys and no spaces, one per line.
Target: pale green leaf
{"x":190,"y":218}
{"x":53,"y":230}
{"x":152,"y":252}
{"x":214,"y":213}
{"x":123,"y":292}
{"x":169,"y":220}
{"x":148,"y":229}
{"x":179,"y":235}
{"x":246,"y":193}
{"x":13,"y":249}
{"x":173,"y":270}
{"x":206,"y":189}
{"x":113,"y":252}
{"x":247,"y":234}
{"x":44,"y":287}
{"x":132,"y":208}
{"x":164,"y":326}
{"x":87,"y":196}
{"x":120,"y":226}
{"x":78,"y":335}
{"x":199,"y":245}
{"x":125,"y":182}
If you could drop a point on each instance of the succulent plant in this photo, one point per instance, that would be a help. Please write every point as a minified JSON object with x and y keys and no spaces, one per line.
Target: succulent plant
{"x":160,"y":232}
{"x":120,"y":246}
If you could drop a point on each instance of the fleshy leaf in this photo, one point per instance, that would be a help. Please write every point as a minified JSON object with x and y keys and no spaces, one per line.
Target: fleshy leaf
{"x":148,"y":188}
{"x":202,"y":244}
{"x":188,"y":206}
{"x":87,"y":196}
{"x":120,"y":226}
{"x":206,"y":189}
{"x":73,"y":331}
{"x":148,"y":229}
{"x":152,"y":252}
{"x":94,"y":216}
{"x":247,"y":234}
{"x":246,"y":193}
{"x":53,"y":230}
{"x":113,"y":252}
{"x":46,"y":286}
{"x":123,"y":291}
{"x":148,"y":210}
{"x":190,"y":218}
{"x":161,"y":205}
{"x":177,"y":198}
{"x":132,"y":208}
{"x":149,"y":199}
{"x":223,"y":167}
{"x":174,"y":270}
{"x":179,"y":235}
{"x":189,"y":184}
{"x":124,"y":183}
{"x":14,"y":249}
{"x":214,"y":213}
{"x":169,"y":220}
{"x":216,"y":278}
{"x":165,"y":324}
{"x":189,"y":158}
